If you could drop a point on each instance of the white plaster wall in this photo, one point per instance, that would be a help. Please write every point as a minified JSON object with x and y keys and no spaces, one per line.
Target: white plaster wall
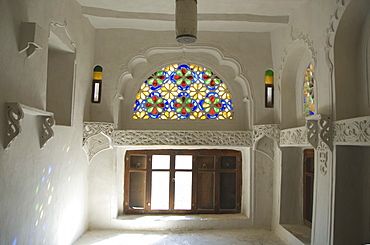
{"x":263,"y":183}
{"x":43,"y":192}
{"x":114,"y":47}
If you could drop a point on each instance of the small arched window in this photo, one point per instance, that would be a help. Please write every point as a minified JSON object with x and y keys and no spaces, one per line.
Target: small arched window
{"x":183,"y":92}
{"x":308,"y":92}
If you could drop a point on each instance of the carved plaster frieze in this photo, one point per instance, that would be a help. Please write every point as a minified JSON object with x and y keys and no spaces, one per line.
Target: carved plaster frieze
{"x":354,"y":131}
{"x":14,"y":114}
{"x":294,"y":137}
{"x":47,"y":131}
{"x":94,"y":128}
{"x":175,"y":137}
{"x":97,"y":136}
{"x":269,"y":130}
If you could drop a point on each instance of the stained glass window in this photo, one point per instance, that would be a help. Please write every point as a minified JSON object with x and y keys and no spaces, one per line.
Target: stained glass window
{"x":183,"y":92}
{"x":308,"y":92}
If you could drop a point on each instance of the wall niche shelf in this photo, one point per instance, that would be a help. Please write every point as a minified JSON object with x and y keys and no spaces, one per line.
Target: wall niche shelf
{"x":15,"y":113}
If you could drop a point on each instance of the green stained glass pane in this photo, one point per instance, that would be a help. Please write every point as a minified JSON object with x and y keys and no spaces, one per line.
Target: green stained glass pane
{"x":269,"y":73}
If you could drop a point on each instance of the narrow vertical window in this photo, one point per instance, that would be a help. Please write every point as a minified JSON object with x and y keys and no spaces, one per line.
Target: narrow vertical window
{"x":97,"y":84}
{"x":308,"y":92}
{"x":269,"y":89}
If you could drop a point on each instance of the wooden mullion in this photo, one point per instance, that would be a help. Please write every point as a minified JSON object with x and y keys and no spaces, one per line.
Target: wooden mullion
{"x":217,"y":184}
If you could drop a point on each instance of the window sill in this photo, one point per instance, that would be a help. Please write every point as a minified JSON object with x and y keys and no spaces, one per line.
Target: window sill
{"x":301,"y":232}
{"x":181,"y":222}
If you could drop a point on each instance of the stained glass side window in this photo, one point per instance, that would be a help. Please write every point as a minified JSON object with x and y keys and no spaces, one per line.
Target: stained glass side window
{"x":308,"y":92}
{"x":183,"y":92}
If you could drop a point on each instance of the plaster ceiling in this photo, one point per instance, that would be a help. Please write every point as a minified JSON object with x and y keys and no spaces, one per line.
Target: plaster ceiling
{"x":213,"y":15}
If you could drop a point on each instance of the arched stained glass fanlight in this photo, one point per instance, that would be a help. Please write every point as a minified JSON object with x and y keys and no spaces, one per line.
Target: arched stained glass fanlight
{"x":183,"y":92}
{"x":308,"y":92}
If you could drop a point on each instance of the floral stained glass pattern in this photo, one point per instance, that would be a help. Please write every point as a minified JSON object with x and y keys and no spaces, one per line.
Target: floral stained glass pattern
{"x":183,"y":92}
{"x":308,"y":92}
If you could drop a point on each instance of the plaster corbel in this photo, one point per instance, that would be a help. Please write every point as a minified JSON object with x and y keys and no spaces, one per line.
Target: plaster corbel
{"x":31,"y":38}
{"x":15,"y":113}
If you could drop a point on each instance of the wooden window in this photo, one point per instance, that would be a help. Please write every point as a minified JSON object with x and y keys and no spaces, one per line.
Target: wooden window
{"x":308,"y":188}
{"x":182,"y":181}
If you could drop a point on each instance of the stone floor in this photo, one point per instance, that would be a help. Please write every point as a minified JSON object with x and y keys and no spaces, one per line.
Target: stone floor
{"x":201,"y":237}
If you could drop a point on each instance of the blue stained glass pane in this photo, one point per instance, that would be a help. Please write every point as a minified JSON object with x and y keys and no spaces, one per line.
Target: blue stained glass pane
{"x":137,"y":105}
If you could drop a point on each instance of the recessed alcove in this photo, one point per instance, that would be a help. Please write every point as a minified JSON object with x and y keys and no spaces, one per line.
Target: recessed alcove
{"x":60,"y":79}
{"x":292,"y":194}
{"x":351,"y":59}
{"x":292,"y":113}
{"x":352,"y":200}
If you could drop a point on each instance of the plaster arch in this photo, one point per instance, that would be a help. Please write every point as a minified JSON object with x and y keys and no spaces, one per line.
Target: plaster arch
{"x":298,"y":56}
{"x":139,"y":67}
{"x":351,"y":57}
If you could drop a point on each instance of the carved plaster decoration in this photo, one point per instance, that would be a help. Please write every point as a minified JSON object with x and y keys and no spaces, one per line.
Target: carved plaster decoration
{"x":313,"y":132}
{"x":303,"y":38}
{"x":354,"y":131}
{"x":14,"y":114}
{"x":60,"y":30}
{"x":323,"y":158}
{"x":271,"y":131}
{"x":47,"y":131}
{"x":31,"y":38}
{"x":330,"y":37}
{"x":97,"y":143}
{"x":320,"y":137}
{"x":97,"y":136}
{"x":319,"y":129}
{"x":94,"y":128}
{"x":175,"y":137}
{"x":296,"y":137}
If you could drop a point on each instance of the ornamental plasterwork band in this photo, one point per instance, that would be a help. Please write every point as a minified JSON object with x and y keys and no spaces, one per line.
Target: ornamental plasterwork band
{"x":294,"y":137}
{"x":355,"y":131}
{"x":15,"y":113}
{"x":176,"y":137}
{"x":270,"y":130}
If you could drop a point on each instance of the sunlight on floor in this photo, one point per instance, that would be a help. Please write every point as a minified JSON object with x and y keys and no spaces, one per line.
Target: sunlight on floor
{"x":132,"y":239}
{"x":195,"y":237}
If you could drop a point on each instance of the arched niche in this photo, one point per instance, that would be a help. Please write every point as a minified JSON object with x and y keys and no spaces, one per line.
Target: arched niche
{"x":140,"y":67}
{"x":291,"y":84}
{"x":351,"y":62}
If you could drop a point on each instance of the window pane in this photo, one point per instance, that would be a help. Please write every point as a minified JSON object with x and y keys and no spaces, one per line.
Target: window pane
{"x":137,"y":190}
{"x":183,"y":182}
{"x":228,"y":162}
{"x":138,"y":162}
{"x":160,"y":190}
{"x":183,"y":162}
{"x":206,"y":162}
{"x":228,"y":191}
{"x":206,"y":190}
{"x":161,"y":162}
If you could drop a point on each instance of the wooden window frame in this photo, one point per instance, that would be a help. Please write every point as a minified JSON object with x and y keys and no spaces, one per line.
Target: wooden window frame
{"x":196,"y":170}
